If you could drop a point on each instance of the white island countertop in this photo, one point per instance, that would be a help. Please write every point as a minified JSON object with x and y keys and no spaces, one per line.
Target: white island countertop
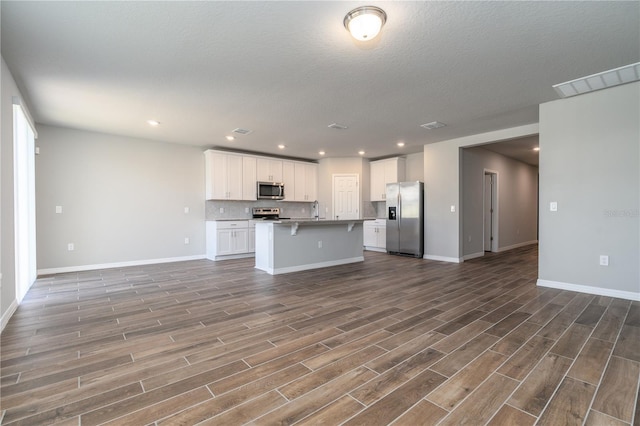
{"x":290,"y":245}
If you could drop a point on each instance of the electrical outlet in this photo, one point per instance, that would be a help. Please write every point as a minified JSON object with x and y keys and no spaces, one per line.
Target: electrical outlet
{"x":37,"y":150}
{"x":319,"y":244}
{"x":303,"y":210}
{"x":71,"y":247}
{"x":59,"y":209}
{"x":469,"y":238}
{"x":186,"y":240}
{"x":553,"y":206}
{"x":246,"y":209}
{"x":186,"y":210}
{"x":221,"y":209}
{"x":453,"y":209}
{"x":604,"y":260}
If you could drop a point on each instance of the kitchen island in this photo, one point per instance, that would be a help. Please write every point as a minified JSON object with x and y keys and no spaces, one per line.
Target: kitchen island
{"x":284,"y":246}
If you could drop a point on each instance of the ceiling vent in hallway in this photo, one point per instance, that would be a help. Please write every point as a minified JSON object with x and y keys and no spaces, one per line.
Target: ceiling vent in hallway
{"x":601,"y":80}
{"x":433,"y":125}
{"x":337,"y":126}
{"x":242,"y":131}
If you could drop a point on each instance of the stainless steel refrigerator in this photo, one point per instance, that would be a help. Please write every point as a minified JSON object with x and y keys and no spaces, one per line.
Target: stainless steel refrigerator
{"x":405,"y":218}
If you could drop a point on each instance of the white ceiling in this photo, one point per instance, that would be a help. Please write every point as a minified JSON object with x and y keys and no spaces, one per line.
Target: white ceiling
{"x":286,"y":70}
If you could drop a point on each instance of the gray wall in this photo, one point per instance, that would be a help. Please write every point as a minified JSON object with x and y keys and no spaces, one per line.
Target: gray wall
{"x":122,"y":199}
{"x":590,"y":166}
{"x":517,"y":200}
{"x":442,"y":170}
{"x":329,"y":166}
{"x":414,"y":167}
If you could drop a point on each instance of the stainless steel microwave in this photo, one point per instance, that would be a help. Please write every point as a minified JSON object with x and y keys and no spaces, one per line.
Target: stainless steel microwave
{"x":270,"y":191}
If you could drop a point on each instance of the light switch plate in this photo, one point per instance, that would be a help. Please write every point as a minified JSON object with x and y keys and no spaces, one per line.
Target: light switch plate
{"x":186,"y":210}
{"x":453,"y":209}
{"x":553,"y":206}
{"x":59,"y":209}
{"x":604,"y":260}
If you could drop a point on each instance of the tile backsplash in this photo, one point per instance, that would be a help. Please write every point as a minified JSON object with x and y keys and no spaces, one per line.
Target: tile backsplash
{"x":242,"y":209}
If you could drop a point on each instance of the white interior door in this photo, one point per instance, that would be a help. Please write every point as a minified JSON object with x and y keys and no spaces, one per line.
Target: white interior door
{"x":346,"y":197}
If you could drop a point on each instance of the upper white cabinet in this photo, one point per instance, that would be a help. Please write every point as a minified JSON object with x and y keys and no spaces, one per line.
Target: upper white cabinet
{"x":223,"y":174}
{"x":249,"y":179}
{"x":383,"y":172}
{"x":269,"y":170}
{"x":231,"y":176}
{"x":289,"y":180}
{"x":306,"y":182}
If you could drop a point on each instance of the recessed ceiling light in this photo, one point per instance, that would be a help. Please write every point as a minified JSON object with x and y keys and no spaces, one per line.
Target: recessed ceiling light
{"x":537,"y":148}
{"x":321,"y":152}
{"x":282,"y":146}
{"x":400,"y":144}
{"x":361,"y":152}
{"x":230,"y":138}
{"x":153,"y":123}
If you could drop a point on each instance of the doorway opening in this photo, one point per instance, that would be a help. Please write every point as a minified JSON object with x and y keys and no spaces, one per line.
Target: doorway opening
{"x":346,"y":197}
{"x":490,"y":211}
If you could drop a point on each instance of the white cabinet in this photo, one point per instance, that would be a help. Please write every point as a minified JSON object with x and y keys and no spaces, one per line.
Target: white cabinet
{"x":289,"y":180}
{"x":300,"y":181}
{"x":252,"y":237}
{"x":223,"y":174}
{"x":228,"y":239}
{"x":375,"y":235}
{"x":269,"y":170}
{"x":249,"y":180}
{"x":306,"y":182}
{"x":383,"y":172}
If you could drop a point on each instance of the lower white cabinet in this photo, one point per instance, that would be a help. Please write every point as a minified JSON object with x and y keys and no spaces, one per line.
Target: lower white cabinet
{"x":227,"y":239}
{"x":375,"y":235}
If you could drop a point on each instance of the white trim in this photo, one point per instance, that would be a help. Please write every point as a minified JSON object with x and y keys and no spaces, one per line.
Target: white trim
{"x":81,"y":268}
{"x":231,"y":256}
{"x":513,"y":246}
{"x":495,"y":218}
{"x":8,"y":314}
{"x":443,"y":258}
{"x":308,"y":266}
{"x":589,"y":289}
{"x":16,"y":100}
{"x":472,"y":256}
{"x":378,"y":249}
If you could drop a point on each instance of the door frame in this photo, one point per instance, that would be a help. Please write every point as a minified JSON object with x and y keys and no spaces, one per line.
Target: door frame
{"x":495,"y":193}
{"x":333,"y":192}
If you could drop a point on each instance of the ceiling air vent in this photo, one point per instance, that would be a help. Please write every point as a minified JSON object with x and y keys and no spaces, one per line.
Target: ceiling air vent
{"x":337,"y":126}
{"x":602,"y":80}
{"x":433,"y":125}
{"x":242,"y":131}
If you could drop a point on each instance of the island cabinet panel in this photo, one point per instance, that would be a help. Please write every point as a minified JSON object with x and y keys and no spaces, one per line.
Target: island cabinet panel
{"x":383,"y":172}
{"x":223,"y":174}
{"x":269,"y":170}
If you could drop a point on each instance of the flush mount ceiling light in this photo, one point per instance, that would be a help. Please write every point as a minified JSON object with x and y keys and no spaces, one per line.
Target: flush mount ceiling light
{"x":153,"y":123}
{"x":627,"y":74}
{"x":282,"y":146}
{"x":365,"y":22}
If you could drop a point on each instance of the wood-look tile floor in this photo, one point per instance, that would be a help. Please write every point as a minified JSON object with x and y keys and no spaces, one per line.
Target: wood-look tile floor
{"x":392,"y":340}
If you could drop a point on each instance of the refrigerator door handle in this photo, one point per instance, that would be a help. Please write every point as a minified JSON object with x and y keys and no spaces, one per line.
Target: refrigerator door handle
{"x":399,"y":214}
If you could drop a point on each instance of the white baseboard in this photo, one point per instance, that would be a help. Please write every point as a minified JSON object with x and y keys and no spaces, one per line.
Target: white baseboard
{"x":472,"y":255}
{"x":513,"y":246}
{"x":81,"y":268}
{"x":7,"y":314}
{"x":599,"y":291}
{"x":443,"y":258}
{"x":231,"y":256}
{"x":378,"y":249}
{"x":297,"y":268}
